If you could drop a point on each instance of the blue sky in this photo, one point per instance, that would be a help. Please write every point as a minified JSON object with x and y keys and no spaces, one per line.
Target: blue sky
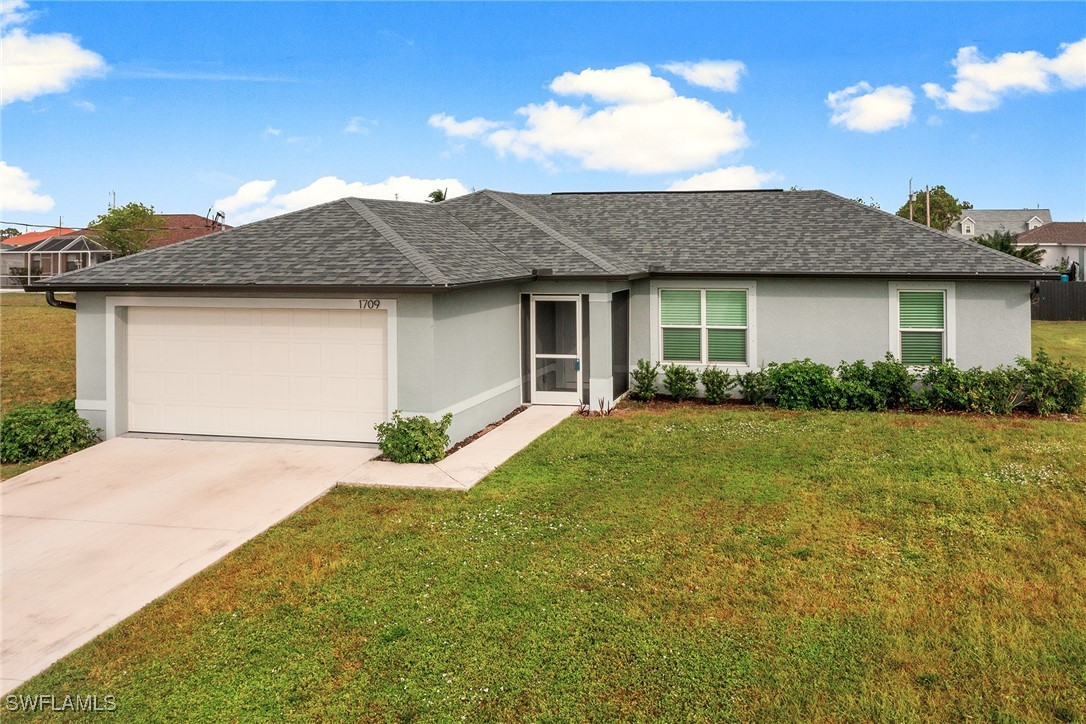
{"x":258,"y":108}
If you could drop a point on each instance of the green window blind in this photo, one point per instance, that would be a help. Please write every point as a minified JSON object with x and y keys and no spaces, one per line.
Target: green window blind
{"x":728,"y":345}
{"x":726,"y":308}
{"x":921,"y":310}
{"x":919,"y":348}
{"x":682,"y":345}
{"x":680,"y":307}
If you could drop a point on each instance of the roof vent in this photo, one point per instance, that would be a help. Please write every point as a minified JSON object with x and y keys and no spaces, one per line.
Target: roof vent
{"x":546,"y":272}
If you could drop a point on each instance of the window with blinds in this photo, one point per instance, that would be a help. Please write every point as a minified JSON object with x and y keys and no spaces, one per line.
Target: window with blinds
{"x":922,"y":326}
{"x":703,"y":326}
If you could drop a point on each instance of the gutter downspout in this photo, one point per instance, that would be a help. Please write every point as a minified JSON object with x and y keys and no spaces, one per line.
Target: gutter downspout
{"x":52,"y":301}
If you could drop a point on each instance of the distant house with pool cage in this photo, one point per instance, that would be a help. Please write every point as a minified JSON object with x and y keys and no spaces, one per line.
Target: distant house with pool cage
{"x":317,"y":324}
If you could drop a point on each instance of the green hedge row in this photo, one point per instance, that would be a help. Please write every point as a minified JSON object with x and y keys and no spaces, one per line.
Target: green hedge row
{"x":1043,"y":386}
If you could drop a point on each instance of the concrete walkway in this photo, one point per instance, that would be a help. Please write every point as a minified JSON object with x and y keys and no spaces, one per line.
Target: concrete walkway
{"x":471,"y":463}
{"x":90,"y":539}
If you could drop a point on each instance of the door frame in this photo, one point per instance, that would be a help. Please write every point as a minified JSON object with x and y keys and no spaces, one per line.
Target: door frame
{"x":545,"y":397}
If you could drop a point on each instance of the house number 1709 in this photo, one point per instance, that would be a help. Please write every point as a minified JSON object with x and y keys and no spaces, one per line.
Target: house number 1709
{"x":369,"y":303}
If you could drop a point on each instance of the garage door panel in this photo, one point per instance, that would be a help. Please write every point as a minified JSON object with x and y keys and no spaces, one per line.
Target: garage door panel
{"x":294,"y":373}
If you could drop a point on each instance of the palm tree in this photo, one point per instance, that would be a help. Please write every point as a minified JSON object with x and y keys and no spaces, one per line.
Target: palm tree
{"x":1007,"y":243}
{"x":436,"y":196}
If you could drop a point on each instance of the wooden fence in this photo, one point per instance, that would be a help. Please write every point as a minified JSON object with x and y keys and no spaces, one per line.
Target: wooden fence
{"x":1058,"y":301}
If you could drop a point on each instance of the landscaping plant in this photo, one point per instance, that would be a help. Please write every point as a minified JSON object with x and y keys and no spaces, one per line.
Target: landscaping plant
{"x":680,"y":381}
{"x":413,"y":439}
{"x":643,"y":380}
{"x":755,"y":386}
{"x":803,"y":385}
{"x":718,"y":384}
{"x":1050,"y":386}
{"x":43,"y":432}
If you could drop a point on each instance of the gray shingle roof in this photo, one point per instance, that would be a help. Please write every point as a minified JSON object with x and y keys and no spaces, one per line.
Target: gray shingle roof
{"x":488,"y":237}
{"x":989,"y":221}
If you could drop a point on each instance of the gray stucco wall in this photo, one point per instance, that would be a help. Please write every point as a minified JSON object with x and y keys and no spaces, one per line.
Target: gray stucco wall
{"x":475,"y":358}
{"x":90,"y":357}
{"x":841,"y":319}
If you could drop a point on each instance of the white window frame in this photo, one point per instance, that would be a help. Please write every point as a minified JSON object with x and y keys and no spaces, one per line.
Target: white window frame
{"x":949,"y":317}
{"x":657,"y":339}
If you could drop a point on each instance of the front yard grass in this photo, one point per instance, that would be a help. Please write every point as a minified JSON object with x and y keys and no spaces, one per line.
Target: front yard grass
{"x":698,"y":563}
{"x":37,"y":356}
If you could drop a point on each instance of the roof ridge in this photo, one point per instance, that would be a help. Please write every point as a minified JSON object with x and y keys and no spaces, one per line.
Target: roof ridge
{"x":416,"y":257}
{"x":553,"y":233}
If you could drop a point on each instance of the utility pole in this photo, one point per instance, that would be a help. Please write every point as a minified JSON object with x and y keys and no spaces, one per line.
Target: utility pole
{"x":927,"y":203}
{"x":911,"y":199}
{"x":114,"y":204}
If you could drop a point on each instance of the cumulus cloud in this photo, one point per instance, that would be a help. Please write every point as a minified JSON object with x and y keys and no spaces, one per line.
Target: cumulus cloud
{"x":20,"y":191}
{"x":274,"y":132}
{"x":632,"y":83}
{"x":37,"y":64}
{"x":730,"y":178}
{"x":721,"y":75}
{"x":471,"y":128}
{"x":981,"y":84}
{"x":870,"y":110}
{"x":645,"y":127}
{"x":253,"y":200}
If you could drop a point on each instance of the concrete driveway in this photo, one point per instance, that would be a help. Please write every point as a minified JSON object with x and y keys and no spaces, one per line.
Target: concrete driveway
{"x":91,"y":539}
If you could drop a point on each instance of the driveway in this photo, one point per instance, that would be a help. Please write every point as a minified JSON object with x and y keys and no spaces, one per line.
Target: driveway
{"x":91,"y":539}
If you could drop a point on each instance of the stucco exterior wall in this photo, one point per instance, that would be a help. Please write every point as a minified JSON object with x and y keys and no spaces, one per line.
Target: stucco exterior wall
{"x":90,"y":357}
{"x":475,"y":357}
{"x":830,"y":320}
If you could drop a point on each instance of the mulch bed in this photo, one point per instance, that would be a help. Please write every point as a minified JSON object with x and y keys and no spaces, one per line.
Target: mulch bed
{"x":485,"y":430}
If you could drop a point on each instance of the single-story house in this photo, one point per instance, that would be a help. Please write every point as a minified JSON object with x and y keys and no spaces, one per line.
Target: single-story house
{"x":22,"y":264}
{"x":1059,"y":240}
{"x":317,"y":324}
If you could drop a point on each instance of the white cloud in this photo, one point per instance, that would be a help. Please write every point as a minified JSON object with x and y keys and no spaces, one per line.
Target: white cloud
{"x":870,"y":110}
{"x":646,"y":128}
{"x":981,"y":84}
{"x":471,"y":128}
{"x":269,"y":131}
{"x":20,"y":191}
{"x":721,"y":75}
{"x":35,"y":65}
{"x":84,"y":106}
{"x":632,"y":83}
{"x":726,"y":179}
{"x":248,"y":194}
{"x":360,"y":125}
{"x":251,"y":202}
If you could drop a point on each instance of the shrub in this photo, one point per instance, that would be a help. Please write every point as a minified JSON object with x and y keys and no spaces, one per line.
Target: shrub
{"x":680,"y":381}
{"x":755,"y":386}
{"x":892,"y":383}
{"x":413,"y":439}
{"x":1049,"y":386}
{"x":946,"y":387}
{"x":44,"y":432}
{"x":643,"y":379}
{"x":855,"y":390}
{"x":997,"y":391}
{"x":718,"y":384}
{"x":803,"y":385}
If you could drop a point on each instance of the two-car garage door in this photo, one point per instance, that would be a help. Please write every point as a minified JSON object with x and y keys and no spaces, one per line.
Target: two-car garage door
{"x":309,"y":374}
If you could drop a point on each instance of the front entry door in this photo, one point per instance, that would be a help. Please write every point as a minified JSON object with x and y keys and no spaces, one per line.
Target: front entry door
{"x":556,"y":350}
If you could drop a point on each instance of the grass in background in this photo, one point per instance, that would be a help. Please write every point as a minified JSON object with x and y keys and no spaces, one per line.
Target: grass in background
{"x":693,"y":564}
{"x":1061,"y":339}
{"x":37,"y":356}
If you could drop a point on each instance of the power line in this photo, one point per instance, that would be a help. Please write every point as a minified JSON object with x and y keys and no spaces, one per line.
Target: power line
{"x":80,"y":228}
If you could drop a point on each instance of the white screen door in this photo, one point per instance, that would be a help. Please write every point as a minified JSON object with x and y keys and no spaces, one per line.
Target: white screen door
{"x":556,"y":350}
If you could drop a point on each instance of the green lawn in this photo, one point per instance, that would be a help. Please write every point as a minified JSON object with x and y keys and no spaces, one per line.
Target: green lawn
{"x":697,"y":564}
{"x":37,"y":356}
{"x":1062,"y":339}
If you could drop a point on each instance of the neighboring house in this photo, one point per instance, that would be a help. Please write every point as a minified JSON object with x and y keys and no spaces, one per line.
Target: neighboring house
{"x":982,"y":222}
{"x":318,"y":323}
{"x":182,"y":227}
{"x":21,"y":265}
{"x":33,"y":237}
{"x":1059,"y":240}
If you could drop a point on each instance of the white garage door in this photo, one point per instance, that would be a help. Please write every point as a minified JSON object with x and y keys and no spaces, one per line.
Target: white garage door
{"x":309,"y":374}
